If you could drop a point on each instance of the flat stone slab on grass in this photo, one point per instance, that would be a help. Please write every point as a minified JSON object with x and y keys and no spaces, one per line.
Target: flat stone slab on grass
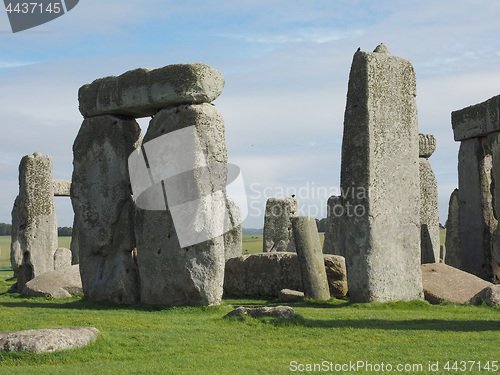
{"x":62,"y":283}
{"x":283,"y":312}
{"x":47,"y":339}
{"x":443,"y":283}
{"x":288,"y":295}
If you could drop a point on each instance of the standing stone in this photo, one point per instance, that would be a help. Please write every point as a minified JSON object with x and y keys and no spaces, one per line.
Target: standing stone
{"x":233,"y":240}
{"x":104,"y":208}
{"x":75,"y":257}
{"x":494,"y":141}
{"x":381,"y":228}
{"x":34,"y":236}
{"x":278,"y":235}
{"x":62,"y":258}
{"x":334,"y":215}
{"x":172,"y":274}
{"x":312,"y":265}
{"x":453,"y":237}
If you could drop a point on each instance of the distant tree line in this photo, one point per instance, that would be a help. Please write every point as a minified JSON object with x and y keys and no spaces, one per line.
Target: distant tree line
{"x":6,"y":230}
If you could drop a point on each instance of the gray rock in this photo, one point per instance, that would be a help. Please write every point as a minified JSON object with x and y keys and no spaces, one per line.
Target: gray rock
{"x":426,"y":145}
{"x":492,"y":223}
{"x":62,"y":258}
{"x":442,"y":253}
{"x":143,"y":92}
{"x":266,"y":274}
{"x":61,"y":283}
{"x":477,"y":120}
{"x":443,"y":283}
{"x":35,"y":236}
{"x":172,"y":274}
{"x":75,"y":253}
{"x":453,"y":236}
{"x":288,"y":295}
{"x":490,"y":295}
{"x":281,"y":312}
{"x":429,"y":214}
{"x":278,"y":235}
{"x":16,"y":254}
{"x":62,"y":188}
{"x":104,"y":209}
{"x":47,"y":339}
{"x":380,"y":229}
{"x":233,"y":239}
{"x":312,"y":265}
{"x":335,"y":211}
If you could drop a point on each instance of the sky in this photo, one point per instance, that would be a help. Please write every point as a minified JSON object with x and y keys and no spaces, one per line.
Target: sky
{"x":286,"y":67}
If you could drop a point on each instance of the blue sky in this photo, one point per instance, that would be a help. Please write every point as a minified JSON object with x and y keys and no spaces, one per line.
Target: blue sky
{"x":286,"y":65}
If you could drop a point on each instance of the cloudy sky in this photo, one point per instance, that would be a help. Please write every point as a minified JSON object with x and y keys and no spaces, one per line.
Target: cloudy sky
{"x":286,"y":65}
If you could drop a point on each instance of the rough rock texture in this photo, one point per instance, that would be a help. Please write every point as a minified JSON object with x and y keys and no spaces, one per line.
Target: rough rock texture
{"x":266,"y":274}
{"x":233,"y":239}
{"x":282,"y":312}
{"x":334,"y":215}
{"x":494,"y":256}
{"x":34,"y":239}
{"x":62,"y":188}
{"x":429,"y":214}
{"x":143,"y":92}
{"x":278,"y":235}
{"x":47,"y":339}
{"x":16,"y":254}
{"x":75,"y":253}
{"x":104,"y":209}
{"x":426,"y":145}
{"x":312,"y":265}
{"x":442,"y":253}
{"x":490,"y":295}
{"x":171,"y":274}
{"x":477,"y":120}
{"x":380,"y":229}
{"x":62,"y":258}
{"x":61,"y":283}
{"x":453,"y":237}
{"x":288,"y":295}
{"x":444,"y":283}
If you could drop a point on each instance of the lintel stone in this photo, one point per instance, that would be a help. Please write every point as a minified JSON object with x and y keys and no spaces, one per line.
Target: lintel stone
{"x":476,"y":120}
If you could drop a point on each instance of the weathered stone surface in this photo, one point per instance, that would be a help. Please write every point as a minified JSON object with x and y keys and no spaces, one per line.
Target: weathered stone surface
{"x":380,"y":229}
{"x":429,"y":214}
{"x":62,"y":188}
{"x":75,"y":257}
{"x":47,"y":339}
{"x":490,"y":295}
{"x":442,"y":253}
{"x":233,"y":240}
{"x":104,"y":209}
{"x":312,"y":265}
{"x":62,"y":258}
{"x":143,"y":92}
{"x":426,"y":145}
{"x":266,"y":274}
{"x":335,"y":211}
{"x":16,"y":254}
{"x":192,"y":275}
{"x":61,"y":283}
{"x":35,"y":236}
{"x":282,"y":312}
{"x":444,"y":283}
{"x":492,"y":223}
{"x":288,"y":295}
{"x":453,"y":236}
{"x":278,"y":235}
{"x":477,"y":120}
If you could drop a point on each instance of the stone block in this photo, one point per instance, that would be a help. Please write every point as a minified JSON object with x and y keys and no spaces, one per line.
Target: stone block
{"x":62,"y":258}
{"x":429,"y":214}
{"x":476,"y":120}
{"x":233,"y":239}
{"x":335,"y":211}
{"x":62,"y":188}
{"x":426,"y":145}
{"x":278,"y":234}
{"x":453,"y":236}
{"x":61,"y":283}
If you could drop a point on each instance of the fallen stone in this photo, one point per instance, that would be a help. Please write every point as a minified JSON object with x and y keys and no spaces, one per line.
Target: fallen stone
{"x":62,"y":258}
{"x":443,"y":283}
{"x":490,"y":295}
{"x":288,"y":295}
{"x":477,"y":120}
{"x":47,"y":339}
{"x":266,"y":274}
{"x":143,"y":92}
{"x":281,"y":312}
{"x":426,"y":145}
{"x":278,"y":234}
{"x":61,"y":283}
{"x":62,"y":188}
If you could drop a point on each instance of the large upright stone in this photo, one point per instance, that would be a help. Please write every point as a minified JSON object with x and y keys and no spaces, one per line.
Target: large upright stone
{"x":453,"y":236}
{"x":172,"y":273}
{"x":34,"y":236}
{"x":233,"y":239}
{"x":143,"y":92}
{"x":494,"y":258}
{"x":312,"y":265}
{"x":335,"y":211}
{"x":104,"y":208}
{"x":429,"y":214}
{"x":381,"y":228}
{"x":278,"y":233}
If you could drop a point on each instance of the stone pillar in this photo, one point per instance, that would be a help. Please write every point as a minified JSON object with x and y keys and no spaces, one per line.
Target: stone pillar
{"x":104,"y":208}
{"x":334,"y":214}
{"x":429,"y":212}
{"x":380,"y":229}
{"x":278,"y":234}
{"x":312,"y":265}
{"x":233,"y":240}
{"x":34,"y":232}
{"x":453,"y":236}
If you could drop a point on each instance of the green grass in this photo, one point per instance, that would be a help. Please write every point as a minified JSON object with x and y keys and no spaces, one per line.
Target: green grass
{"x":253,"y":243}
{"x":442,"y":236}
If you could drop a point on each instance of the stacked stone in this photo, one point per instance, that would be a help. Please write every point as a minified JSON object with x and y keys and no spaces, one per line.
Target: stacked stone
{"x":121,"y":242}
{"x":278,"y":231}
{"x":429,"y":212}
{"x":477,"y":128}
{"x":34,"y":223}
{"x":380,"y":230}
